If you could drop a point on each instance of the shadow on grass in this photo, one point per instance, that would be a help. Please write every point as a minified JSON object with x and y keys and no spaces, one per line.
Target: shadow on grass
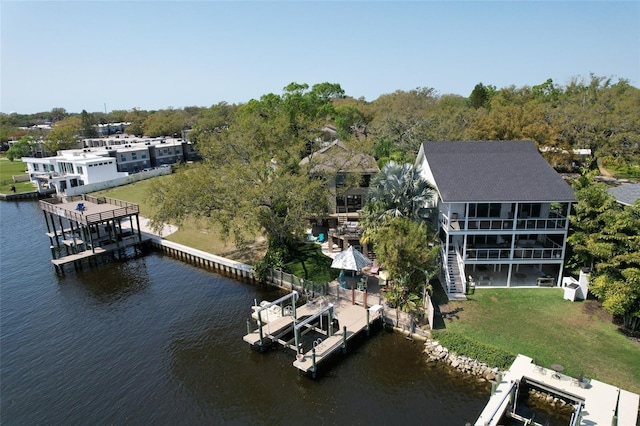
{"x":310,"y":263}
{"x":443,"y":311}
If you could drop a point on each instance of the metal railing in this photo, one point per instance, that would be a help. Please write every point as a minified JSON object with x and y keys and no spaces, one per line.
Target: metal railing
{"x":518,"y":253}
{"x":445,"y":269}
{"x":52,"y":205}
{"x":488,"y":224}
{"x":461,"y":270}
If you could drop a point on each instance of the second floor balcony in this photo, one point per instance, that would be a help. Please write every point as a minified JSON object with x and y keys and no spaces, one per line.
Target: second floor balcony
{"x":455,"y":224}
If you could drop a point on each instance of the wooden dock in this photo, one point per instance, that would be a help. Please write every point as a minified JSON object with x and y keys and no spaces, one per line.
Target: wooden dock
{"x":599,"y":403}
{"x":352,"y":320}
{"x":272,"y":330}
{"x":84,"y":227}
{"x":97,"y":251}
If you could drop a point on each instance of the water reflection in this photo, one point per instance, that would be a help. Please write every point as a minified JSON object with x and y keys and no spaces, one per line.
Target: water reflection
{"x":113,"y":281}
{"x":153,"y":340}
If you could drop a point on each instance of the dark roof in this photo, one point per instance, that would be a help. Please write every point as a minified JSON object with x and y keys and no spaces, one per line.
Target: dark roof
{"x":626,"y":194}
{"x":337,"y":157}
{"x":486,"y":171}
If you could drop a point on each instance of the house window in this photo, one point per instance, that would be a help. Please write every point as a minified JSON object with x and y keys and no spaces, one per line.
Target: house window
{"x":529,"y":210}
{"x":485,"y":210}
{"x":79,"y":170}
{"x":340,"y":180}
{"x":348,"y":204}
{"x":364,"y":181}
{"x":482,"y":239}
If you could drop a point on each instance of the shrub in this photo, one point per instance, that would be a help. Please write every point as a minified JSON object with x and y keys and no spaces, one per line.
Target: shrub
{"x":461,"y":345}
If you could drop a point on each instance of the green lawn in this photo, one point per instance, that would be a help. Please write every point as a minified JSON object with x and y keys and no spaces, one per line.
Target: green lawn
{"x":539,"y":323}
{"x":311,"y":264}
{"x":7,"y":170}
{"x":193,"y":233}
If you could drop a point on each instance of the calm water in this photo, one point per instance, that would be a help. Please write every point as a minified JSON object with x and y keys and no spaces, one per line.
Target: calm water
{"x":155,"y":340}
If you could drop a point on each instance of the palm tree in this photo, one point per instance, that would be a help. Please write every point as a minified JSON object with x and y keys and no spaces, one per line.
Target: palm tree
{"x":398,"y":190}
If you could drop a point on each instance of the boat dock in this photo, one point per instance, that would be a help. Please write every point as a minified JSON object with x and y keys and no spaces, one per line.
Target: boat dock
{"x":595,"y":403}
{"x":83,"y":227}
{"x":275,"y":321}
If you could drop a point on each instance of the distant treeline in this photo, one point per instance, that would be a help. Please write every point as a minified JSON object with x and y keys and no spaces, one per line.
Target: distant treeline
{"x":596,"y":113}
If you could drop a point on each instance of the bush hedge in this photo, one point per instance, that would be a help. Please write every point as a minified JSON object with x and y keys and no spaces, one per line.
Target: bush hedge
{"x":461,"y":345}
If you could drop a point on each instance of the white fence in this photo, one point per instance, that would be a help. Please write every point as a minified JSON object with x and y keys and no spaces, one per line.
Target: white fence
{"x":99,"y":186}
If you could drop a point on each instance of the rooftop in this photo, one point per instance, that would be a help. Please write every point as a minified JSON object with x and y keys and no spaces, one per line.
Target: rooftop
{"x":338,"y":157}
{"x":626,"y":194}
{"x":498,"y":171}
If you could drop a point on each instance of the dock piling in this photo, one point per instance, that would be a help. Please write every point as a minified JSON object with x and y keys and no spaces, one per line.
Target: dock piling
{"x":313,"y":362}
{"x":367,"y":326}
{"x":344,"y":339}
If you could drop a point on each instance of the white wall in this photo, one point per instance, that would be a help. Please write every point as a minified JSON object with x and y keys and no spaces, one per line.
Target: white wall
{"x":117,"y":182}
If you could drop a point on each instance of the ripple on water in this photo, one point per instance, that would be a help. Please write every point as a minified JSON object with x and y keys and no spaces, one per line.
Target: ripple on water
{"x":155,"y":340}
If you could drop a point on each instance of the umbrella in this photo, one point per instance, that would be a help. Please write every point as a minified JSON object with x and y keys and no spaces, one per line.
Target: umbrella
{"x":350,"y":259}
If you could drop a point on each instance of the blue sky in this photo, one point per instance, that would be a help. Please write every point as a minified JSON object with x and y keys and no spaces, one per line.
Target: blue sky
{"x":158,"y":54}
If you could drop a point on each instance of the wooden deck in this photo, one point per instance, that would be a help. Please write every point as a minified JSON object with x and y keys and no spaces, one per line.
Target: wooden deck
{"x":354,"y":318}
{"x":86,"y":254}
{"x":602,"y":402}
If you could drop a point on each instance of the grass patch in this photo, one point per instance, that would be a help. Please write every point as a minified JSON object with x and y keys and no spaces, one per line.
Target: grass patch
{"x":311,"y":264}
{"x":539,"y":323}
{"x":8,"y":169}
{"x":623,"y":171}
{"x":196,"y":233}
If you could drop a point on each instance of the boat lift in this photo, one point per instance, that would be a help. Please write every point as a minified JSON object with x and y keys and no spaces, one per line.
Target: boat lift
{"x":294,"y":296}
{"x":306,"y":321}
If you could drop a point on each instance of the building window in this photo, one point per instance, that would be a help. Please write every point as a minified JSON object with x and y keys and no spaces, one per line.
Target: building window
{"x":482,"y":239}
{"x":529,"y":210}
{"x":348,"y":204}
{"x":485,"y":210}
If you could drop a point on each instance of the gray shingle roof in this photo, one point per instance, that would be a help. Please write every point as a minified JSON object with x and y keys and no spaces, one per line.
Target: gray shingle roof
{"x":626,"y":194}
{"x":486,"y":171}
{"x":338,"y":157}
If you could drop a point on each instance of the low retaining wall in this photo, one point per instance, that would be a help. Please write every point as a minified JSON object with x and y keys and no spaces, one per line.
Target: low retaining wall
{"x":23,"y":196}
{"x":205,"y":260}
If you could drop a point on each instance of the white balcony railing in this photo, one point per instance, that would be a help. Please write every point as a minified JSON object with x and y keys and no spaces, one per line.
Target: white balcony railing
{"x":488,"y":224}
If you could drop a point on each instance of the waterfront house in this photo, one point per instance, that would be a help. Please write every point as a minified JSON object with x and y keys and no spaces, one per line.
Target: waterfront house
{"x":70,"y":169}
{"x":503,"y":213}
{"x":348,"y":173}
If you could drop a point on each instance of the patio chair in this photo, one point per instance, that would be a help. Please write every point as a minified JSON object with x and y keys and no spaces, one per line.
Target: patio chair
{"x":321,"y":238}
{"x":362,"y":284}
{"x":342,"y":279}
{"x":375,"y":268}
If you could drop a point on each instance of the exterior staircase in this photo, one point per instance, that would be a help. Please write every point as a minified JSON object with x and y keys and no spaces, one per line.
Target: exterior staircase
{"x":456,"y":288}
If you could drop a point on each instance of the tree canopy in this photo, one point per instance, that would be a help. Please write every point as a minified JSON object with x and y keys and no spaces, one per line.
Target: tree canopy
{"x":250,"y":180}
{"x":21,"y":148}
{"x":605,"y":237}
{"x":64,"y":134}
